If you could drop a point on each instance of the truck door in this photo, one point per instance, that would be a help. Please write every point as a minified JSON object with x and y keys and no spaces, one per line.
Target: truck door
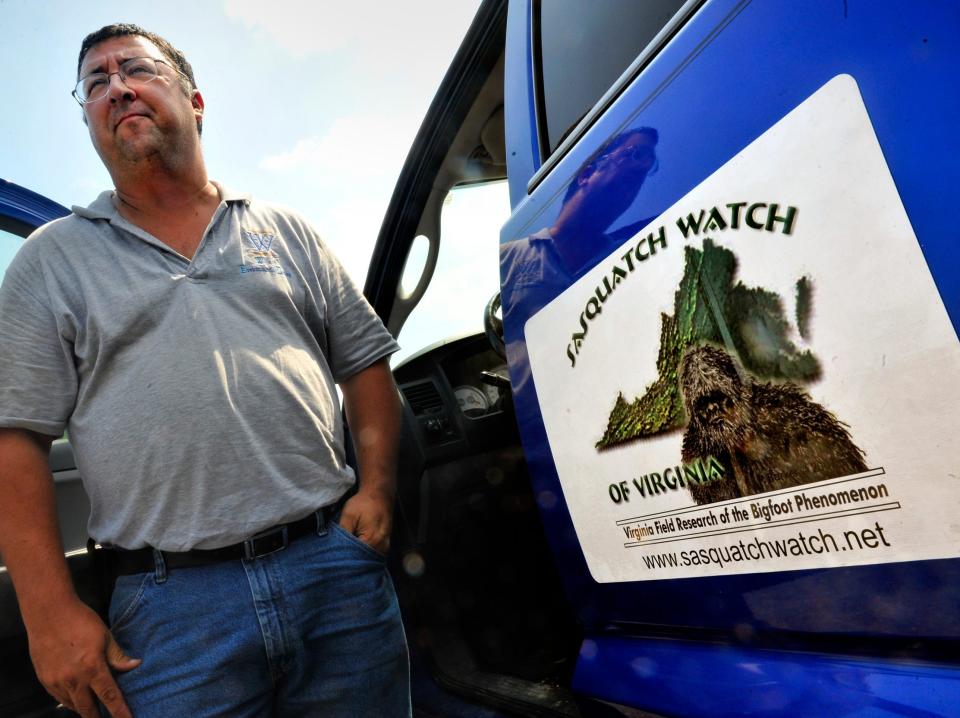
{"x":731,"y":299}
{"x":21,"y":695}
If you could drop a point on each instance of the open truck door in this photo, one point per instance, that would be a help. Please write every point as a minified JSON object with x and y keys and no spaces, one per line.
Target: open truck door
{"x":729,"y":302}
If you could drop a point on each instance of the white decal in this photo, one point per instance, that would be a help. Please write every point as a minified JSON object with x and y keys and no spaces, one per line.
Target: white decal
{"x":764,"y":378}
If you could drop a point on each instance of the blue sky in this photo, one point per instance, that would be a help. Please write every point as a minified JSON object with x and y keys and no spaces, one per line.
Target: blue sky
{"x":310,"y":104}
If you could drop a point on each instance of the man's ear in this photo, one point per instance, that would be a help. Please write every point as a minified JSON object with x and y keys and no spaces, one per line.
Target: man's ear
{"x":196,"y":99}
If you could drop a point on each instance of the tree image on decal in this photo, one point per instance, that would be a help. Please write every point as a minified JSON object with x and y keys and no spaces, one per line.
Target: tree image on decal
{"x":711,"y":307}
{"x":721,"y":343}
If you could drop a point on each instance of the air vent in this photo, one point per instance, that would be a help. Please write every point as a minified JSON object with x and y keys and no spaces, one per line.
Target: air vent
{"x":423,"y":398}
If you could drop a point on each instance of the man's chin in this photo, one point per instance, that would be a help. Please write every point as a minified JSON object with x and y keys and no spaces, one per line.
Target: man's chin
{"x":137,"y":147}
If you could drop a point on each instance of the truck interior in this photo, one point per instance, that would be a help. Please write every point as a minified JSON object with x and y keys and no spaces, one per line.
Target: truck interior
{"x":483,"y":604}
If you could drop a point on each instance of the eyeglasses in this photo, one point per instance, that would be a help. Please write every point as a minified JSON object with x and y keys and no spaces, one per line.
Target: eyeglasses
{"x":133,"y":71}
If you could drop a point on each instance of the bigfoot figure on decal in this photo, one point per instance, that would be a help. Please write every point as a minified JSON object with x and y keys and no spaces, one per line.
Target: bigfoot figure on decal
{"x":768,"y":436}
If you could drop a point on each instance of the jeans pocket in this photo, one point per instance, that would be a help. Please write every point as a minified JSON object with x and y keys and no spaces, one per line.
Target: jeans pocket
{"x":127,"y":597}
{"x":359,"y":542}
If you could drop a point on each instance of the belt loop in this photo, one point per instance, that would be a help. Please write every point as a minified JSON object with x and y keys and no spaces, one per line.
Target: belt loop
{"x":321,"y":522}
{"x":160,"y":567}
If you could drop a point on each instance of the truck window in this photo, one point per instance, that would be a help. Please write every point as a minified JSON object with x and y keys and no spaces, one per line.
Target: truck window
{"x":581,"y":49}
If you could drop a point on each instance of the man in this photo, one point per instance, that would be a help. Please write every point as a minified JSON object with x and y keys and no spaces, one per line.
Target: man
{"x":191,"y":339}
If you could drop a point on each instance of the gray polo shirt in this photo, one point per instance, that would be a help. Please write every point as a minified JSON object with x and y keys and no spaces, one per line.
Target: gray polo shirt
{"x":199,"y":395}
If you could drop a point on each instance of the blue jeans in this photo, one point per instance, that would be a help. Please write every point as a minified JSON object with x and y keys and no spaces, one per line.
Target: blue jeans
{"x":312,"y":630}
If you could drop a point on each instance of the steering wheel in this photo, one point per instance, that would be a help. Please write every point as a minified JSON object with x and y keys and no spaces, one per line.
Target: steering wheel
{"x":493,"y":326}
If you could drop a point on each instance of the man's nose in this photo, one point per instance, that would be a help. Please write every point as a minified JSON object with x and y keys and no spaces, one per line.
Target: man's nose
{"x":119,"y":89}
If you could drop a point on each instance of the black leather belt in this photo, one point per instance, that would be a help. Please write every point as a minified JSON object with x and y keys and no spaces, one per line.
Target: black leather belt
{"x":263,"y":544}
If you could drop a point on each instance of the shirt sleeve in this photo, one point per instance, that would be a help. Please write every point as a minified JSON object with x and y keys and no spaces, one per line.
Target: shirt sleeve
{"x":38,"y":379}
{"x":355,"y":336}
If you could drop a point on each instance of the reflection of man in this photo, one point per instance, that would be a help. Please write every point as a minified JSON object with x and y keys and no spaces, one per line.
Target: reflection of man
{"x":191,"y":339}
{"x":547,"y":261}
{"x":535,"y":269}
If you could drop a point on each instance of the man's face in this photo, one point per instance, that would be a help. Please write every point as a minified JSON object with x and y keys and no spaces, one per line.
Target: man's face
{"x":610,"y":188}
{"x":619,"y":175}
{"x":134,"y":122}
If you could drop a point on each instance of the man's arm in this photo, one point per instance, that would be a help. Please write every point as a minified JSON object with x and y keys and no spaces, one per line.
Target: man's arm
{"x":373,"y":413}
{"x":71,"y":649}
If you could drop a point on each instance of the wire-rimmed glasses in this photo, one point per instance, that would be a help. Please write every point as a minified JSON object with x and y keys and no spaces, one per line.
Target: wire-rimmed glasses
{"x":132,"y":71}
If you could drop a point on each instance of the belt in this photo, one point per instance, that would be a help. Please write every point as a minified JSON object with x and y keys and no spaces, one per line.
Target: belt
{"x":263,"y":544}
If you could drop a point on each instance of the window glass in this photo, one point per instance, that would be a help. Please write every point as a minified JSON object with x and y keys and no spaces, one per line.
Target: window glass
{"x":468,"y":268}
{"x":583,"y":48}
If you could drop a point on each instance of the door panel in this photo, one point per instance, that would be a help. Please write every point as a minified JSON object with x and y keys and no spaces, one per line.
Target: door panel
{"x":725,"y":78}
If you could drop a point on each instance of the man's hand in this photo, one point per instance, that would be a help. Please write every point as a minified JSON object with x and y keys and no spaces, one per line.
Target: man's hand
{"x":71,"y":649}
{"x":373,"y":412}
{"x":73,"y":654}
{"x":369,"y":517}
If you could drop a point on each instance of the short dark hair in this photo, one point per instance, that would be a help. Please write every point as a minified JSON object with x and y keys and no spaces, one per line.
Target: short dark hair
{"x":619,"y":141}
{"x":123,"y":29}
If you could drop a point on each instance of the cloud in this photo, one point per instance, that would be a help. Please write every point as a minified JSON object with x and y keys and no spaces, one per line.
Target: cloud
{"x":354,"y":147}
{"x":301,"y":29}
{"x":352,"y":170}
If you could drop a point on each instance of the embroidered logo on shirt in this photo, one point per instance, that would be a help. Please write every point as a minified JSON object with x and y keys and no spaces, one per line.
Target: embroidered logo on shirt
{"x":258,"y":255}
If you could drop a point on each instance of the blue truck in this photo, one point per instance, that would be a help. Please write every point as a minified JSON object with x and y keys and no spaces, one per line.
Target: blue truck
{"x":681,"y":441}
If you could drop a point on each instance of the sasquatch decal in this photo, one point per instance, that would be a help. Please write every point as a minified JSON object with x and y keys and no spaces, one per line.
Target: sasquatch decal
{"x":768,"y":436}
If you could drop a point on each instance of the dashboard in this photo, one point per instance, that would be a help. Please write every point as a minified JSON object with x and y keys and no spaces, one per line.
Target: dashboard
{"x":457,"y":399}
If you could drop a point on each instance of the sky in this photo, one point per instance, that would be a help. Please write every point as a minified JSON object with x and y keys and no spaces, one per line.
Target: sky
{"x":312,"y":105}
